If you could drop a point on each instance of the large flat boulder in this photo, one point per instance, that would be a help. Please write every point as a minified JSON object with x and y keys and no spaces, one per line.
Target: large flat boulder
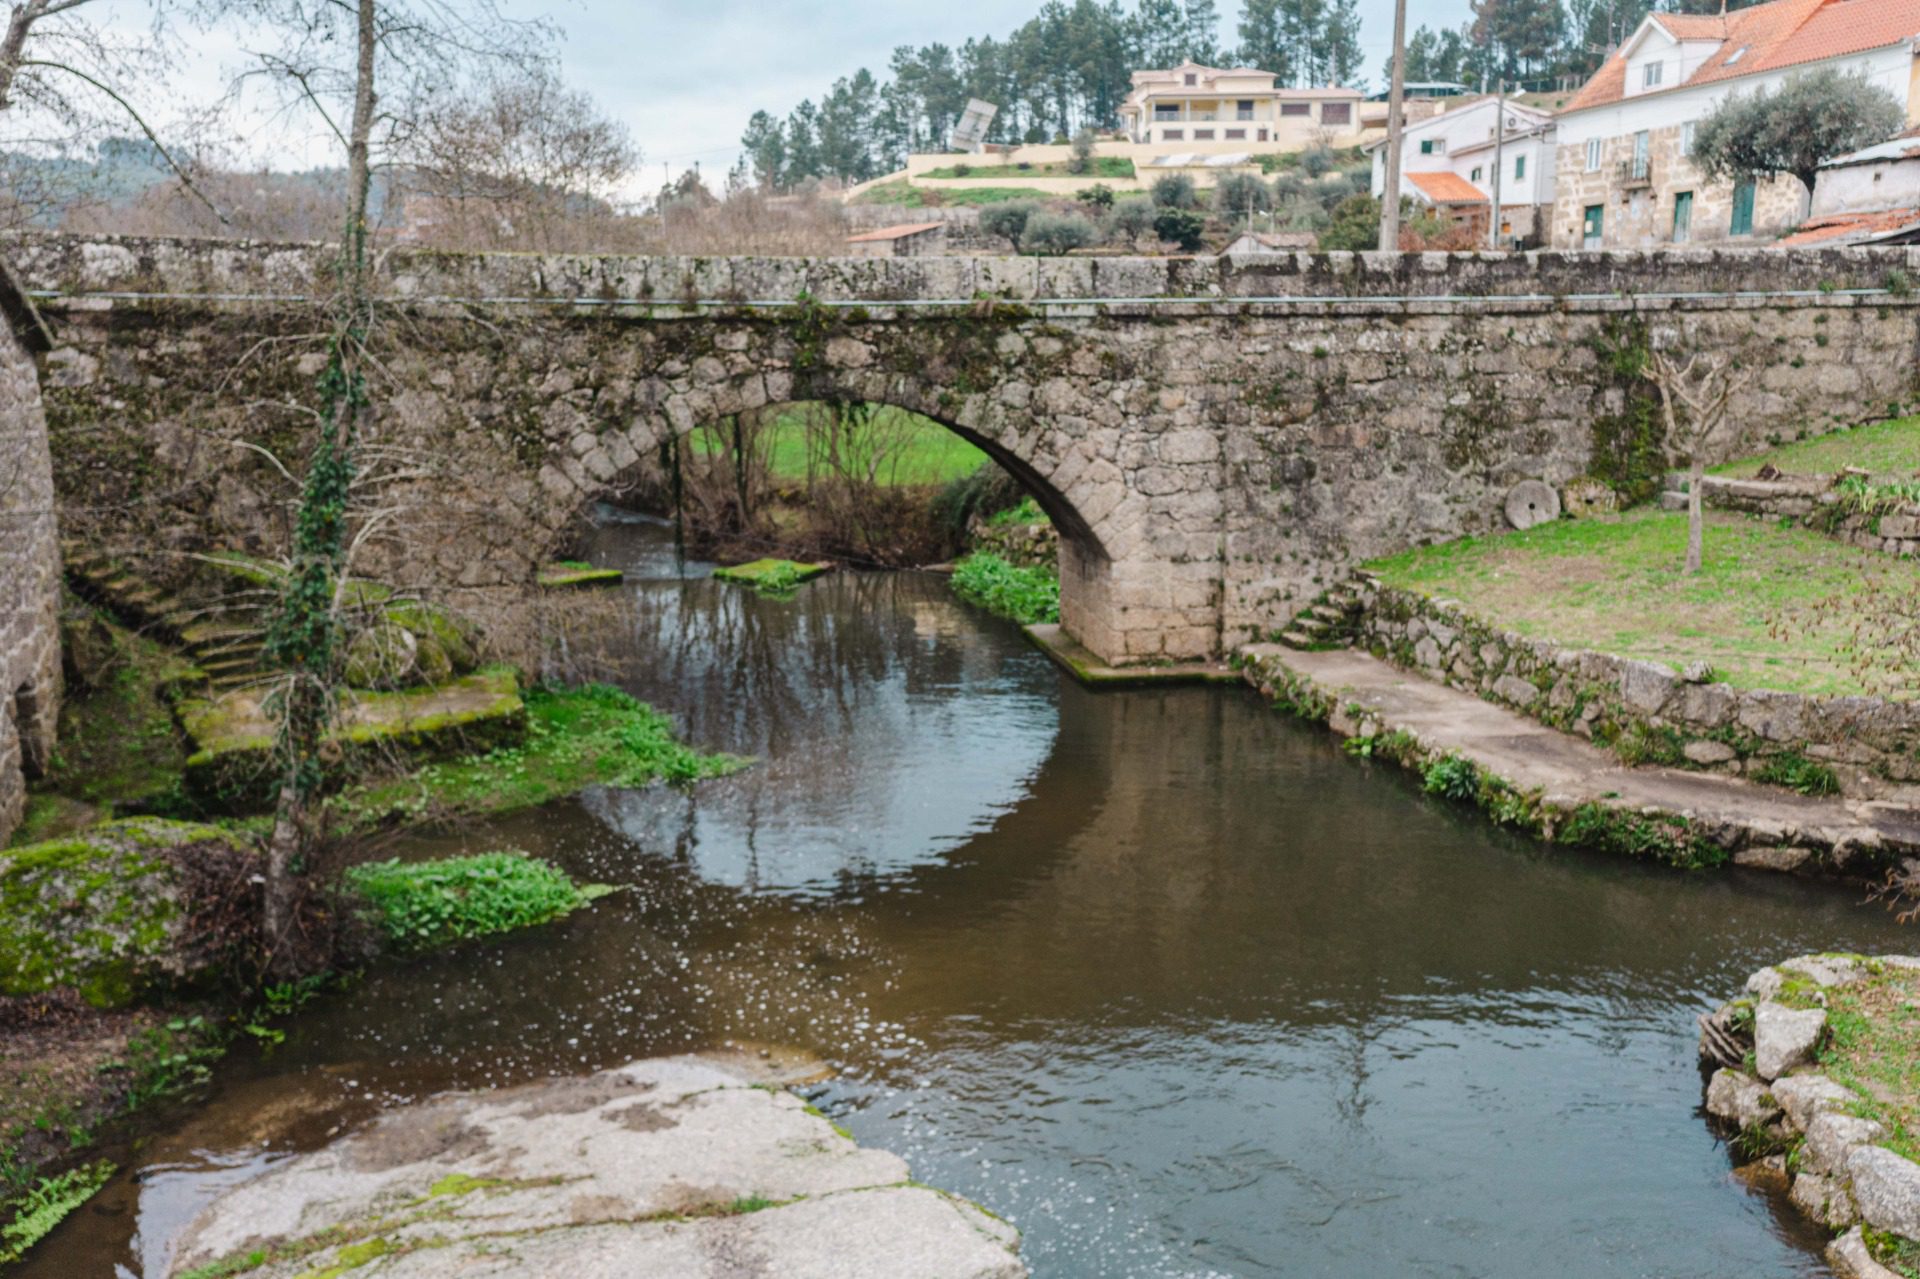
{"x":671,"y":1167}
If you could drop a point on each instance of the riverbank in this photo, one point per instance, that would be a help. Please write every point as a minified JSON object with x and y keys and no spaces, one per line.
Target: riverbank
{"x":1567,"y":790}
{"x":1816,"y":1085}
{"x":678,"y":1166}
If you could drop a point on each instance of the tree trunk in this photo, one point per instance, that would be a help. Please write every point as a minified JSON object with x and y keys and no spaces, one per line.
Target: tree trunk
{"x":1696,"y":519}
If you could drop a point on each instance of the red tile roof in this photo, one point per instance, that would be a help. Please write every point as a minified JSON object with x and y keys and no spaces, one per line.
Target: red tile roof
{"x":1447,"y":188}
{"x":1850,"y":226}
{"x":894,"y":232}
{"x":1784,"y":33}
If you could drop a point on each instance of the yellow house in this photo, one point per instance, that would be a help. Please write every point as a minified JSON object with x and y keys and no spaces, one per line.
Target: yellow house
{"x":1197,"y":107}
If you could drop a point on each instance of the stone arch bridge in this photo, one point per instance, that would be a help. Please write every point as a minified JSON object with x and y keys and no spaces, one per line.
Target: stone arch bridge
{"x":1216,"y":438}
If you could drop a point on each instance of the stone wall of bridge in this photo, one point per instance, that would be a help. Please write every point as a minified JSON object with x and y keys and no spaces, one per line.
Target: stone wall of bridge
{"x":1215,"y":438}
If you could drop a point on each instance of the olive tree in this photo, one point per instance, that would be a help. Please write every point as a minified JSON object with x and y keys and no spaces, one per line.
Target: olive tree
{"x":1813,"y":117}
{"x":1049,"y":234}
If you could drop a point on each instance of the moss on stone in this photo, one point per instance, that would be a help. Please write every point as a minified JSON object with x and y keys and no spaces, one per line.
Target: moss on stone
{"x":98,"y":912}
{"x":570,"y":574}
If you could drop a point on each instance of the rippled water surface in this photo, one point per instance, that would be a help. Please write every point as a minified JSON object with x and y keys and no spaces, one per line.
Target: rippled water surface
{"x":1162,"y":977}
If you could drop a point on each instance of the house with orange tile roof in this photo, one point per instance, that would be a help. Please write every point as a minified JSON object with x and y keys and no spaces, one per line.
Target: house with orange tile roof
{"x":1460,"y":143}
{"x":1624,"y":173}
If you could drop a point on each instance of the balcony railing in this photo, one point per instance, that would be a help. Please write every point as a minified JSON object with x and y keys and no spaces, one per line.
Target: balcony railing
{"x":1637,"y":172}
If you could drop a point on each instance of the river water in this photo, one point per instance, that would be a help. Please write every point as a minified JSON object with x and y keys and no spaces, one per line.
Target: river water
{"x":1161,"y":976}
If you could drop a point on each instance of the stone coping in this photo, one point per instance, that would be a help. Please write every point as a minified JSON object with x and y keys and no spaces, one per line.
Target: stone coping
{"x":1084,"y":665}
{"x":1611,"y":279}
{"x":1796,"y":1127}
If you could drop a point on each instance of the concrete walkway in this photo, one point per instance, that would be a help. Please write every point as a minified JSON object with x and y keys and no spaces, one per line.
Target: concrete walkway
{"x":1763,"y":825}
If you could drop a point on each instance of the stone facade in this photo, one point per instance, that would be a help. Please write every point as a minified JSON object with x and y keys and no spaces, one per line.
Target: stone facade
{"x":1868,"y":743}
{"x":29,"y":561}
{"x":1215,"y":439}
{"x":1639,"y":214}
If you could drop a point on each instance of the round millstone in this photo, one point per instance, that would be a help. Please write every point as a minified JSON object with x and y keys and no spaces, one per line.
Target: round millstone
{"x":1532,"y":502}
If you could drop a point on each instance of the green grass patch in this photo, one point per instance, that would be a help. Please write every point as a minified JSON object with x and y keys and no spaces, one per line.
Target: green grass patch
{"x":895,"y":446}
{"x":1873,"y":1047}
{"x":578,"y":573}
{"x":1026,"y":595}
{"x":1028,"y":512}
{"x":1617,"y":586}
{"x":772,"y":577}
{"x":576,"y":737}
{"x":903,"y":194}
{"x":1890,"y":447}
{"x":1100,"y":166}
{"x":46,"y":1205}
{"x":422,"y":905}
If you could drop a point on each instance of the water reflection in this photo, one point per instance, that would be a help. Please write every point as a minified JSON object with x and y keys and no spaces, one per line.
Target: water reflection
{"x":1161,"y":976}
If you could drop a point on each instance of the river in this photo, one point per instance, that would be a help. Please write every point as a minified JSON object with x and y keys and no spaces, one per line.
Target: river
{"x":1162,"y":976}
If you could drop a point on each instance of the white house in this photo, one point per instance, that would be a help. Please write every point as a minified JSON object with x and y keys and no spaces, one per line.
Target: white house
{"x":1624,"y":176}
{"x":1194,"y":106}
{"x":1461,"y":142}
{"x":1869,"y":196}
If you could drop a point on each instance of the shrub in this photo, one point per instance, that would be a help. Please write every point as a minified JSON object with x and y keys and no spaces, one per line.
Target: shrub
{"x":1053,"y":234}
{"x":1174,"y":191}
{"x":1183,"y":227}
{"x":1291,"y":186}
{"x":1026,"y":595}
{"x":1081,"y":160}
{"x":962,"y":170}
{"x":1451,"y":777}
{"x":1355,"y":225}
{"x":1008,"y":220}
{"x":1317,"y":160}
{"x":420,"y":905}
{"x":986,"y":490}
{"x":1128,"y":220}
{"x":1097,"y":196}
{"x":1240,"y":193}
{"x":1796,"y":772}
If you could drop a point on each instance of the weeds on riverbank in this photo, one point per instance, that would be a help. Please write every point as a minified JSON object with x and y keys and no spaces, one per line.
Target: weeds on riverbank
{"x":49,"y":1203}
{"x":1026,"y":595}
{"x":576,"y":737}
{"x":421,"y":905}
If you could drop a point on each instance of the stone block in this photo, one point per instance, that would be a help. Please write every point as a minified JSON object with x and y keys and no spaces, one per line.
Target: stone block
{"x":1834,"y":1136}
{"x":1784,"y":1037}
{"x":1886,"y":1189}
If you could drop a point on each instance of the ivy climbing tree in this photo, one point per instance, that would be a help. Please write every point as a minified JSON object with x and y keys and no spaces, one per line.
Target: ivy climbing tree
{"x":399,"y":55}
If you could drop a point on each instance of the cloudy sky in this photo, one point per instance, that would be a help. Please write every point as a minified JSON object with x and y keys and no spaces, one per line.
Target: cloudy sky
{"x":684,"y":75}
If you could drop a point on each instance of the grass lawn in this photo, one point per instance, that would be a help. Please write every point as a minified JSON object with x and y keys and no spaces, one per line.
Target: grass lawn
{"x":1103,"y":166}
{"x":1616,"y":586}
{"x":912,"y":197}
{"x":1891,"y":447}
{"x":918,"y":450}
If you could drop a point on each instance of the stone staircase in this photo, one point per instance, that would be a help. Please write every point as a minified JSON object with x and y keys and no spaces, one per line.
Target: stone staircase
{"x":1328,"y":621}
{"x":1673,"y":492}
{"x":224,"y":643}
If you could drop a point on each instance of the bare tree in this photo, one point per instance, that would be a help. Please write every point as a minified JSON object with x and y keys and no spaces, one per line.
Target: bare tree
{"x":1693,"y":400}
{"x":518,"y":162}
{"x":365,"y":68}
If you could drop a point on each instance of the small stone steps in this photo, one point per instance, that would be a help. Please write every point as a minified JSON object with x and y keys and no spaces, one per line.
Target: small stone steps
{"x":1328,"y":621}
{"x":225,"y":644}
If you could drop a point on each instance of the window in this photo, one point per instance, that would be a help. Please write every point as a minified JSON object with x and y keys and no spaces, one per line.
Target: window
{"x":1173,"y":135}
{"x":1650,"y":75}
{"x":1262,"y":136}
{"x":1592,"y":220}
{"x":1166,"y":111}
{"x":1203,"y":135}
{"x":1477,"y":173}
{"x":1682,"y":216}
{"x":1236,"y":135}
{"x":1295,"y":108}
{"x":1519,"y":167}
{"x":1686,"y":138}
{"x":1593,"y":155}
{"x":1433,"y":146}
{"x":1191,"y":78}
{"x":1742,"y":222}
{"x":1336,"y":113}
{"x":1640,"y":155}
{"x":1736,"y":55}
{"x":1243,"y":110}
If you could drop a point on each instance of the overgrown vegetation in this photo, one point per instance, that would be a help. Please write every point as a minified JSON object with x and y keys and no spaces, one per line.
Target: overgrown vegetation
{"x":1026,"y":595}
{"x":46,"y":1205}
{"x":422,"y":905}
{"x":1891,"y":447}
{"x":1630,"y":447}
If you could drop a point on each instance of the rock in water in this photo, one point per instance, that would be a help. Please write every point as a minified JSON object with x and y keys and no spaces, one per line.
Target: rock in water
{"x":1785,"y":1037}
{"x":670,"y":1167}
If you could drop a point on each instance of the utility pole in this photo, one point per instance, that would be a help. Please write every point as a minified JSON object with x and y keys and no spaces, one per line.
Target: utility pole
{"x":1499,"y":159}
{"x":1396,"y":126}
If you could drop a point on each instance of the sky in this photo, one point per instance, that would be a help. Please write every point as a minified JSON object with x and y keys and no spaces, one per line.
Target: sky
{"x":684,"y":75}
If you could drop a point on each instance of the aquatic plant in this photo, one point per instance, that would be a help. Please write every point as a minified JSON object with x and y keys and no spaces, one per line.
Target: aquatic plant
{"x":420,"y":905}
{"x":1026,"y":595}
